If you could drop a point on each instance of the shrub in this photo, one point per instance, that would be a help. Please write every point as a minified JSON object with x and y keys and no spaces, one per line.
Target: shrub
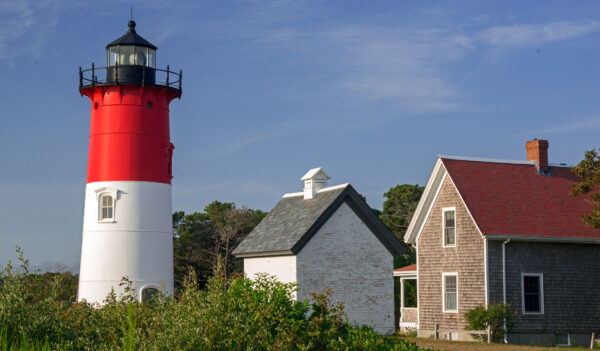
{"x":480,"y":318}
{"x":235,"y":314}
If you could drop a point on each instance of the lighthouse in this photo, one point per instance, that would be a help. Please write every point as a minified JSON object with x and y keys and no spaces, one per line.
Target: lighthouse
{"x":127,"y":221}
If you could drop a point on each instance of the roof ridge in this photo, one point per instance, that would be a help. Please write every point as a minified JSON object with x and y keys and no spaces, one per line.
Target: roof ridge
{"x":334,"y":187}
{"x":483,"y":159}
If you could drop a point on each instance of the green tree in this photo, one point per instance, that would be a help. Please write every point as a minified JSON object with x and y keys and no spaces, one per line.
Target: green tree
{"x":589,"y":172}
{"x":203,"y":238}
{"x":399,"y":206}
{"x":398,"y":209}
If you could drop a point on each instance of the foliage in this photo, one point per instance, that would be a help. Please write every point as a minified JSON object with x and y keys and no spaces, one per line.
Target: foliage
{"x":480,"y":318}
{"x":399,"y":206}
{"x":398,"y":209}
{"x":410,"y":293}
{"x":230,"y":314}
{"x":589,"y":172}
{"x":202,"y":237}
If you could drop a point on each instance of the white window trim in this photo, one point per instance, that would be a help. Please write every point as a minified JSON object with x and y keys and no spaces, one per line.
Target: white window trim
{"x":444,"y":275}
{"x":444,"y":210}
{"x":541,"y":276}
{"x":568,"y":340}
{"x":106,"y":191}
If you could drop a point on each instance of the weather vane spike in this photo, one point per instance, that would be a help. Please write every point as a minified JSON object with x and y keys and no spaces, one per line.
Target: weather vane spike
{"x":131,"y":13}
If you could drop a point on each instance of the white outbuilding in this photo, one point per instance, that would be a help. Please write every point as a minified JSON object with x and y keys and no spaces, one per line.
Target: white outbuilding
{"x":328,"y":237}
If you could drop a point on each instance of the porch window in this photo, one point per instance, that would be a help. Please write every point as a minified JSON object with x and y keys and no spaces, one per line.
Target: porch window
{"x":449,"y":226}
{"x":532,"y":285}
{"x":450,"y":291}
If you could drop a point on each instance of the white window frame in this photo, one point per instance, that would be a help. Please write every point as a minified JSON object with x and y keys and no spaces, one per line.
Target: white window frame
{"x":147,"y":287}
{"x":541,"y":277}
{"x":100,"y":193}
{"x":444,"y":275}
{"x":444,"y":210}
{"x":568,"y":340}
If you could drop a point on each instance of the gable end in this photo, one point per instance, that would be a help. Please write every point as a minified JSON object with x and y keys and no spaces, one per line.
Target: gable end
{"x":366,"y":215}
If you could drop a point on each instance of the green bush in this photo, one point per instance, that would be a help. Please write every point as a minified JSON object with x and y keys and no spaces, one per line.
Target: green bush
{"x":236,"y":314}
{"x":494,"y":316}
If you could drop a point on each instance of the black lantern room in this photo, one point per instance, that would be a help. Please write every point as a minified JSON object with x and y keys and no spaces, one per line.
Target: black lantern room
{"x":131,"y":59}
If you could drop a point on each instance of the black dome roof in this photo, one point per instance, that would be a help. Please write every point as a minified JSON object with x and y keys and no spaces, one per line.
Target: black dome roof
{"x":131,"y":38}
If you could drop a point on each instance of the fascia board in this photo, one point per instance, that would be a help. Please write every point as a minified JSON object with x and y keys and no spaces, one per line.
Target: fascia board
{"x":434,"y":183}
{"x":542,"y":239}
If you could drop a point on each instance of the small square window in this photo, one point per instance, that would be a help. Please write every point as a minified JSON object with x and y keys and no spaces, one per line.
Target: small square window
{"x":562,"y":339}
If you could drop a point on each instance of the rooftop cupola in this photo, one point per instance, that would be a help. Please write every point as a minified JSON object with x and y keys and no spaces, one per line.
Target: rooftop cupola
{"x":314,"y":180}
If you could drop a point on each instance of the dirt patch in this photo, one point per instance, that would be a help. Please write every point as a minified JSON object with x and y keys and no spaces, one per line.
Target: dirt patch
{"x":444,"y":345}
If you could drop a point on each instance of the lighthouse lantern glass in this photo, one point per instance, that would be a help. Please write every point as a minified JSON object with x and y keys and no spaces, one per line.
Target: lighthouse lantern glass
{"x":131,"y":55}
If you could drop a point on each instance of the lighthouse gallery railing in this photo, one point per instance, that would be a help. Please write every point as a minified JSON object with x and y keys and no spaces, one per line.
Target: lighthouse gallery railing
{"x":88,"y":77}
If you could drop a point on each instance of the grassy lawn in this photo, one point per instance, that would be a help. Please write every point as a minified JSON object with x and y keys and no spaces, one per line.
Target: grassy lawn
{"x":444,"y":345}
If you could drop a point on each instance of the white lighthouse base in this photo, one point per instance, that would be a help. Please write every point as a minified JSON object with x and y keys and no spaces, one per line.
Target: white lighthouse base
{"x":136,"y":243}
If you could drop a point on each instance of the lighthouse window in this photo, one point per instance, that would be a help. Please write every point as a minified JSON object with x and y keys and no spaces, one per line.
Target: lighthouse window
{"x":149,"y":295}
{"x":106,"y":207}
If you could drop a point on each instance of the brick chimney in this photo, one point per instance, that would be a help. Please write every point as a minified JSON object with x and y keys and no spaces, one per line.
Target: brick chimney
{"x":537,"y":150}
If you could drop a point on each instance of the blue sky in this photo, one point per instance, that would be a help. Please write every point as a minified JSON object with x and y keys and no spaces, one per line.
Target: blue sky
{"x":372,"y":91}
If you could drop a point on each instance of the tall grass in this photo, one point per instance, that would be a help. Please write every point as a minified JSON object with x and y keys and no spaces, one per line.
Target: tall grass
{"x":236,"y":314}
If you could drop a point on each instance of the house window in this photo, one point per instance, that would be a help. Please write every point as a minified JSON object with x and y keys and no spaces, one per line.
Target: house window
{"x":563,"y":339}
{"x":532,"y":285}
{"x":450,"y":292}
{"x":149,"y":294}
{"x":449,"y":226}
{"x":106,"y":207}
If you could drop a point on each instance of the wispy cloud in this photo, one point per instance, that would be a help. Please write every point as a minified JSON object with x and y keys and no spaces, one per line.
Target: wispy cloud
{"x":590,"y":123}
{"x":24,"y":25}
{"x":406,"y":65}
{"x":535,"y":34}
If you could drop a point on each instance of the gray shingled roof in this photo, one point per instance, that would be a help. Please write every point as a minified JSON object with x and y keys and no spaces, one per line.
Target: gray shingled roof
{"x":286,"y":223}
{"x":294,"y":220}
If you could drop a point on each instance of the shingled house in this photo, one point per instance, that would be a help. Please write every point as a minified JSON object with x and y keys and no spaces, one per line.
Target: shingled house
{"x":328,"y":237}
{"x":495,"y":231}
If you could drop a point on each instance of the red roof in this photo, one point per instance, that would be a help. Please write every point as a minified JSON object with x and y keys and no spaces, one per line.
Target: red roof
{"x":412,"y":267}
{"x":513,"y":199}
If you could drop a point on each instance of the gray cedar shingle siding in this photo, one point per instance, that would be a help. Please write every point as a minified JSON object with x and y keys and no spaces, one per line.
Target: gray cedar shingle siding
{"x":571,"y":284}
{"x":467,"y":258}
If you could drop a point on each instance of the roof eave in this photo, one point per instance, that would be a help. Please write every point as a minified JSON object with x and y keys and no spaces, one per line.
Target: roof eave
{"x":262,"y":254}
{"x":532,"y":238}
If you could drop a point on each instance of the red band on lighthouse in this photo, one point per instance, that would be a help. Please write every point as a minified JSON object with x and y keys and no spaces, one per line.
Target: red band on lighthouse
{"x":129,"y":134}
